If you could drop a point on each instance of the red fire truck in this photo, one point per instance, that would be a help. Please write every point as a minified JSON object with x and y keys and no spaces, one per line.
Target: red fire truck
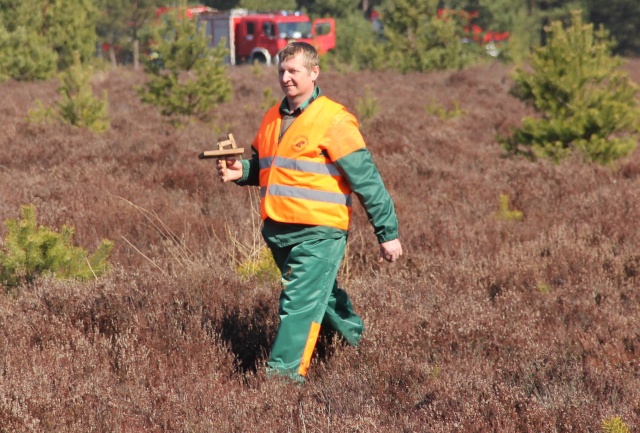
{"x":257,"y":37}
{"x":473,"y":32}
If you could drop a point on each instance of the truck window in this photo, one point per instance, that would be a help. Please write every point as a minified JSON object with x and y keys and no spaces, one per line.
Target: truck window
{"x":268,"y":28}
{"x":294,"y":30}
{"x":251,"y":29}
{"x":323,"y":29}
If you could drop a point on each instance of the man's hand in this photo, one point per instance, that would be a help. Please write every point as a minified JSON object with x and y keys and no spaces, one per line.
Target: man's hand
{"x":390,"y":250}
{"x":233,"y":170}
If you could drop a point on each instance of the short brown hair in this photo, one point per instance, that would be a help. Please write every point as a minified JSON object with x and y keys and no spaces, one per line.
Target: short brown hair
{"x":309,"y":54}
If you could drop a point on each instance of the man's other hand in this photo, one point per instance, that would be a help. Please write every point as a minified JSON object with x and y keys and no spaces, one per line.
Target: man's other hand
{"x":390,"y":250}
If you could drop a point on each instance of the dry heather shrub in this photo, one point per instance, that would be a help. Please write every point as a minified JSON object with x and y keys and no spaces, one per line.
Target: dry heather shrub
{"x":459,"y":337}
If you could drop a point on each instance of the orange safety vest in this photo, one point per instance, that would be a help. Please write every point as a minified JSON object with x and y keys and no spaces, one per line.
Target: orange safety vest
{"x":299,"y":183}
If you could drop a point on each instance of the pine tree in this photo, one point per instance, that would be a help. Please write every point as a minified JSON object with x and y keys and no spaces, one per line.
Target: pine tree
{"x":274,"y":5}
{"x":36,"y":33}
{"x":621,"y":17}
{"x":25,"y":55}
{"x":358,"y":44}
{"x":25,"y":52}
{"x":330,"y":8}
{"x":70,"y":26}
{"x":29,"y":251}
{"x":585,"y":99}
{"x":189,"y":78}
{"x":223,"y":5}
{"x":419,"y":40}
{"x":78,"y":106}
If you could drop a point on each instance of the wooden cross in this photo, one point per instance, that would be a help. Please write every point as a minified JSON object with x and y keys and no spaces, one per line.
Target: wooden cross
{"x":225,"y":148}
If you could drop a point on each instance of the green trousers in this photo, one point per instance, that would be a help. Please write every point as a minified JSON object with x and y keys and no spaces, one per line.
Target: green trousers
{"x":310,"y":298}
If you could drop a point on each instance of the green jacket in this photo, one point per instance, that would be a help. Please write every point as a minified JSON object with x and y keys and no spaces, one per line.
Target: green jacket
{"x":364,"y":180}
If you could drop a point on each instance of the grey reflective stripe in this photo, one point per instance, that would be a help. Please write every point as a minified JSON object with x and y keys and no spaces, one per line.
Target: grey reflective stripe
{"x":307,"y":194}
{"x":265,"y":162}
{"x":303,"y":166}
{"x":307,"y":166}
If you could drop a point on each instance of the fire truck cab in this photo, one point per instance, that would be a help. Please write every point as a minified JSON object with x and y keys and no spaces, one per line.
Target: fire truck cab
{"x":257,"y":37}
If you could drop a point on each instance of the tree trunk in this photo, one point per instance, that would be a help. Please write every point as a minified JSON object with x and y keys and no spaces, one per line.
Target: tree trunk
{"x":136,"y":54}
{"x":112,"y":56}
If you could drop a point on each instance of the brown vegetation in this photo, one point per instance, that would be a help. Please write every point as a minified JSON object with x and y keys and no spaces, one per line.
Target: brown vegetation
{"x":487,"y":324}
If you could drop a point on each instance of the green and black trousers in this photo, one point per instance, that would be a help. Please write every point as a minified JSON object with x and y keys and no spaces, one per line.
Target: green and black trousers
{"x":310,"y":299}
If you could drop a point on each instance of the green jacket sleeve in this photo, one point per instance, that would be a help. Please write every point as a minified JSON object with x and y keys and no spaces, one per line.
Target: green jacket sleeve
{"x":250,"y":171}
{"x":367,"y":184}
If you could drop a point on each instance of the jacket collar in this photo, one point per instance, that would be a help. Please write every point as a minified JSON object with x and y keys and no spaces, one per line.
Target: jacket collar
{"x":284,"y":106}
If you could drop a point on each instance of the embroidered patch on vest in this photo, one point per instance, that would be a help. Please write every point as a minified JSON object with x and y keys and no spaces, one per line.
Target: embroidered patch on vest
{"x":300,"y":142}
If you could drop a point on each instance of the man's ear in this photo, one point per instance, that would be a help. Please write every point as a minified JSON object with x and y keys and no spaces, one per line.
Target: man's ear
{"x":315,"y":72}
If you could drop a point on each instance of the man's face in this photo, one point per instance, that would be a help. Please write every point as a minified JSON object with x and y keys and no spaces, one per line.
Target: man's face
{"x":296,"y":81}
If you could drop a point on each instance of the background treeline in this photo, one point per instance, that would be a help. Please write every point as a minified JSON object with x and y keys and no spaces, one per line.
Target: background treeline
{"x":38,"y":37}
{"x":515,"y":16}
{"x":584,"y":103}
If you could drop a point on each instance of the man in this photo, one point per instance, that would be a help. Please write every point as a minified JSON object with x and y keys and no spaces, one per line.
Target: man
{"x":308,"y":157}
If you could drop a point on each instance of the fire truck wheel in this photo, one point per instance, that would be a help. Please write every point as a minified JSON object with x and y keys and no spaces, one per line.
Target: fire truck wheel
{"x":259,"y":58}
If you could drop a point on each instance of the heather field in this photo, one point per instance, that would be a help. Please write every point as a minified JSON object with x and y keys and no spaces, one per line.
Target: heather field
{"x":489,"y":323}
